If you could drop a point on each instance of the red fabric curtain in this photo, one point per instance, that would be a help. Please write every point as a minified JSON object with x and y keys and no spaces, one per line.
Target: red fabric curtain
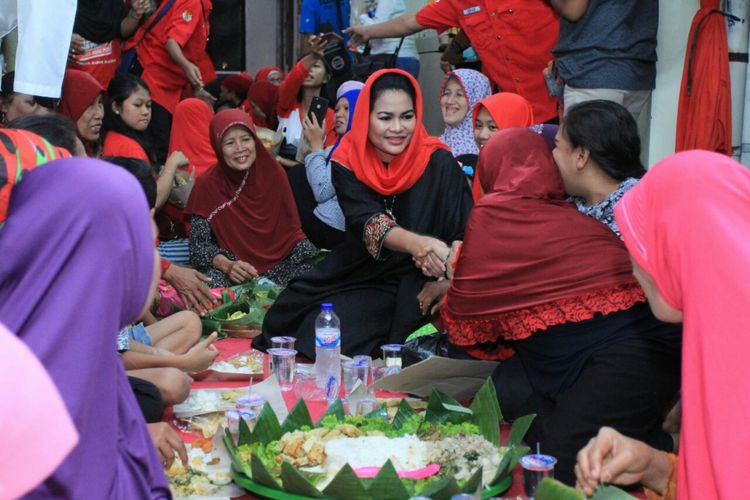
{"x":704,"y":116}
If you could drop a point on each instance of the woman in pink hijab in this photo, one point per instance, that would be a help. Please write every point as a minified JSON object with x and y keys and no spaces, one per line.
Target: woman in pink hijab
{"x":33,"y":418}
{"x":687,"y":227}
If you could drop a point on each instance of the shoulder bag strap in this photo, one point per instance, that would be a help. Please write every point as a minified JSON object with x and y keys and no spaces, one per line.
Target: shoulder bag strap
{"x":159,"y":16}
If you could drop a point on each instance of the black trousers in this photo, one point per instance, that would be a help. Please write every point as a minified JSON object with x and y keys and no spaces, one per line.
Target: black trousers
{"x":159,"y":130}
{"x":318,"y":232}
{"x":630,"y":386}
{"x":149,"y":399}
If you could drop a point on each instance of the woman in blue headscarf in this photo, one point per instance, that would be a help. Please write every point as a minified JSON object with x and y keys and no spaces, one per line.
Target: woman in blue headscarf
{"x":324,"y":225}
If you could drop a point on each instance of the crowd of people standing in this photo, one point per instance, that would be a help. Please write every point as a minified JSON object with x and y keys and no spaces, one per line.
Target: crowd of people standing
{"x":528,"y":233}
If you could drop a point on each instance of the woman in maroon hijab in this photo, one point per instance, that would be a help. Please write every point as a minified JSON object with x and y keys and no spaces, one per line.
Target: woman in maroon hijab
{"x":537,"y":277}
{"x":244,"y":220}
{"x":83,"y":102}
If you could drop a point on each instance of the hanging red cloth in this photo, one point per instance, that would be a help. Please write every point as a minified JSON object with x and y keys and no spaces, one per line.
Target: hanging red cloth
{"x":704,"y":116}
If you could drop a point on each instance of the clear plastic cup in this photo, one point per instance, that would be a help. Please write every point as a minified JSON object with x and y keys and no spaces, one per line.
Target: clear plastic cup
{"x":392,"y":355}
{"x":283,"y":367}
{"x":249,"y":416}
{"x":365,"y":406}
{"x":252,"y":402}
{"x":233,"y":421}
{"x":280,"y":342}
{"x":367,"y":360}
{"x":535,"y":468}
{"x":306,"y":384}
{"x":353,"y":372}
{"x":283,"y":342}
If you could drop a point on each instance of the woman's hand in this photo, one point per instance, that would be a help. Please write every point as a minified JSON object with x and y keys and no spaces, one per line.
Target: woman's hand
{"x":430,"y":255}
{"x":77,"y":44}
{"x":191,"y":285}
{"x":167,"y":442}
{"x":200,"y":356}
{"x":431,"y":297}
{"x":240,"y":271}
{"x":313,"y":132}
{"x":317,"y":45}
{"x":611,"y":457}
{"x":176,"y":160}
{"x":139,"y":7}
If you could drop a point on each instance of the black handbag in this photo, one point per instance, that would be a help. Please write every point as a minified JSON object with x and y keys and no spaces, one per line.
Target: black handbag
{"x":370,"y":63}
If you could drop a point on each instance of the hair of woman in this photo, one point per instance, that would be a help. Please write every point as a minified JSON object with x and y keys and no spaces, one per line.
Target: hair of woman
{"x":141,"y":171}
{"x":391,"y":81}
{"x":59,"y":130}
{"x":609,"y":132}
{"x":122,"y":86}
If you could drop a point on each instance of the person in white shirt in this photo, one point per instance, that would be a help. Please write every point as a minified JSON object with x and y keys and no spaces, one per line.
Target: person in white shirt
{"x":379,"y":11}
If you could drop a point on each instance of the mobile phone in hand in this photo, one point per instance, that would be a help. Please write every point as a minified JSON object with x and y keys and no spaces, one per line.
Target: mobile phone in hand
{"x":318,"y":107}
{"x":331,"y":37}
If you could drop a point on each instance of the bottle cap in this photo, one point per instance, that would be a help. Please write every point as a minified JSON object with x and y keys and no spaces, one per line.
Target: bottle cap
{"x":327,"y":306}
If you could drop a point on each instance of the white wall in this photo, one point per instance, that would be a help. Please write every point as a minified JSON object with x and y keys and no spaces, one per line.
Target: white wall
{"x":675,"y":17}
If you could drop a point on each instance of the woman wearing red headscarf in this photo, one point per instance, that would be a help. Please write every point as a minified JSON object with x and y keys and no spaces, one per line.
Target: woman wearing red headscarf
{"x":261,"y":103}
{"x":404,"y":197}
{"x":82,"y":101}
{"x":498,"y":112}
{"x":244,"y":221}
{"x":686,"y":227}
{"x":272,"y":74}
{"x":537,"y":276}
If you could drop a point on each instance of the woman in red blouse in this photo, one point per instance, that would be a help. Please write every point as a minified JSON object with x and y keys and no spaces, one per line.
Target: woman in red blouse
{"x":126,"y":117}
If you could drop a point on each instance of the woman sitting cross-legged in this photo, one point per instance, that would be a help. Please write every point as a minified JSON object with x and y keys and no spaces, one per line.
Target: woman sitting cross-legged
{"x":404,"y":198}
{"x":244,"y":221}
{"x":537,"y":277}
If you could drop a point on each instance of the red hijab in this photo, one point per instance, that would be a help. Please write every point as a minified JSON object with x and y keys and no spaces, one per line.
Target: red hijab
{"x":253,"y":213}
{"x":190,"y":134}
{"x":79,"y":91}
{"x":686,"y":224}
{"x":357,"y":154}
{"x":263,"y":94}
{"x":526,"y":246}
{"x":508,"y":110}
{"x":262,"y":74}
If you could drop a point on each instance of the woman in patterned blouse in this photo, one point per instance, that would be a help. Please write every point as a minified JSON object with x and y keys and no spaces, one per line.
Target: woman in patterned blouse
{"x":598,"y":152}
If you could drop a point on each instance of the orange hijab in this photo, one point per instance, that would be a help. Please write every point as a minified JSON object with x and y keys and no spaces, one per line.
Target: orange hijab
{"x":508,"y":110}
{"x":357,"y":154}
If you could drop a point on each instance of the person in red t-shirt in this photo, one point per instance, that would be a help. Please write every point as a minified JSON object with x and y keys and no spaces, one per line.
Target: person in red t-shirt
{"x":173,"y":56}
{"x":513,"y":38}
{"x":127,"y":115}
{"x":98,"y":33}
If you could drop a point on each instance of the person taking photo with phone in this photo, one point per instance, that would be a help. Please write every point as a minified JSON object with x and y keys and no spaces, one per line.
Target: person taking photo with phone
{"x":306,"y":80}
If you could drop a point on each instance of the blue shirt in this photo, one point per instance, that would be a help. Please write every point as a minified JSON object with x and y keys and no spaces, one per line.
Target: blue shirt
{"x":613,"y":46}
{"x":320,"y":16}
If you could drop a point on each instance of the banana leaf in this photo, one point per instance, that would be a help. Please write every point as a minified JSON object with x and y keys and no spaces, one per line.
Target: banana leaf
{"x":295,"y":482}
{"x":442,"y":489}
{"x":346,"y":484}
{"x":486,"y":412}
{"x":387,"y":484}
{"x":404,"y":413}
{"x":261,"y":474}
{"x":336,"y":409}
{"x":442,"y":408}
{"x":297,"y":418}
{"x":267,"y":427}
{"x":552,"y":489}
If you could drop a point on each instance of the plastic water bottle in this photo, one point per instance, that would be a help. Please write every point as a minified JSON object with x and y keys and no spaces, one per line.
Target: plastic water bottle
{"x":328,"y":351}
